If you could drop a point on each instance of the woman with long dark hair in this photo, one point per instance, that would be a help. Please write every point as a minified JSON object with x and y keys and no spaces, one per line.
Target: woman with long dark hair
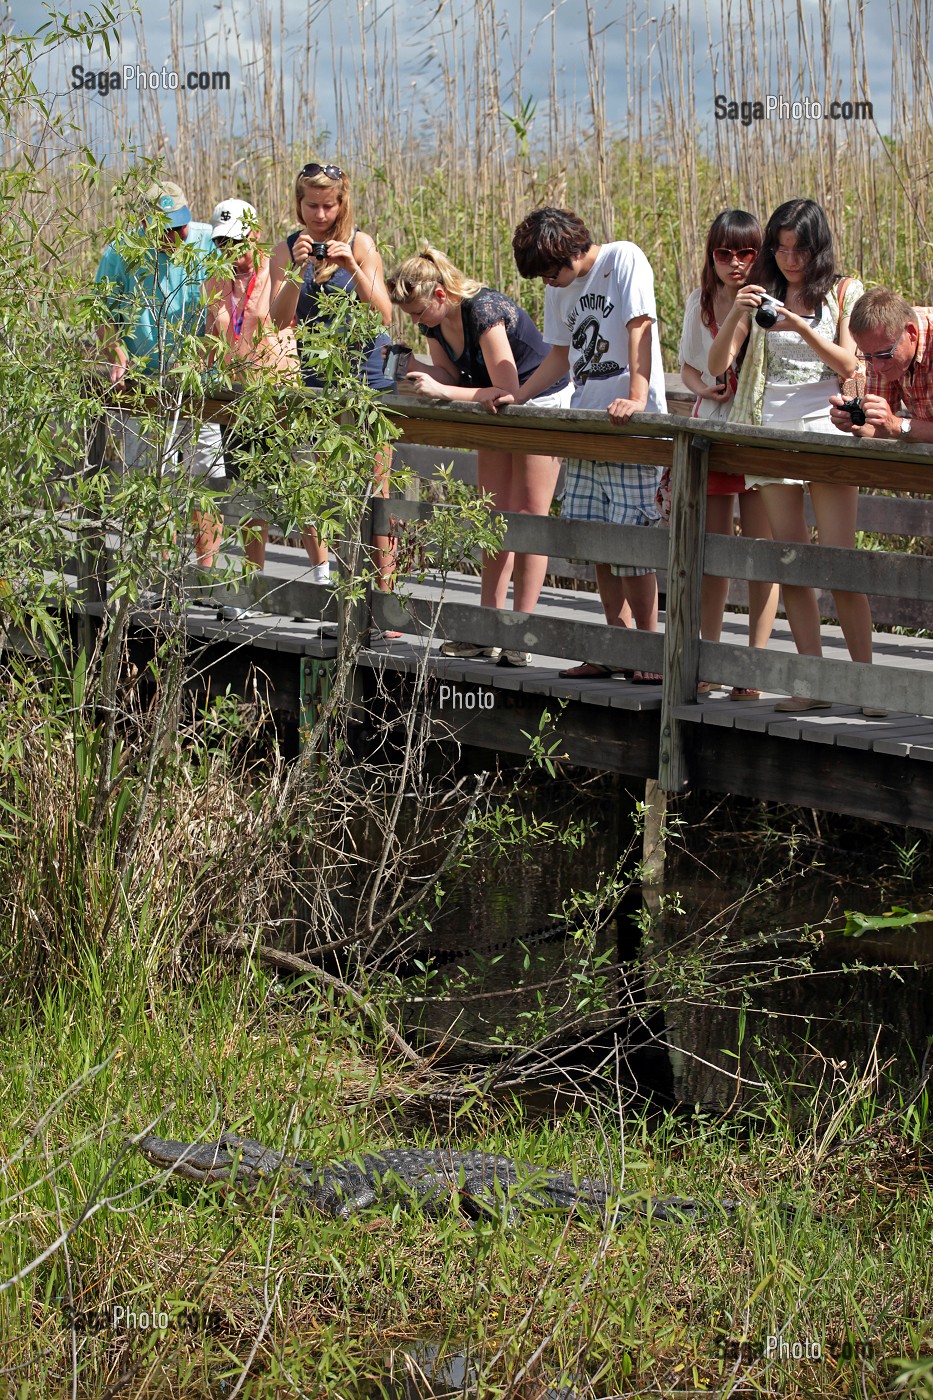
{"x":789,"y":372}
{"x":733,"y":243}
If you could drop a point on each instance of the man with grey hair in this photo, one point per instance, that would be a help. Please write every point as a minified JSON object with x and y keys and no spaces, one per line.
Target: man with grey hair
{"x":896,"y":341}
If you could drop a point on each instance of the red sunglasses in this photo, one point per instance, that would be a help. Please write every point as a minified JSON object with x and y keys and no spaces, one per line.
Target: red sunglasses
{"x":725,"y":255}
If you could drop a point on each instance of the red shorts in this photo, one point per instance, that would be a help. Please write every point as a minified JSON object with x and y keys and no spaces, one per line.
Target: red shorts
{"x":725,"y":484}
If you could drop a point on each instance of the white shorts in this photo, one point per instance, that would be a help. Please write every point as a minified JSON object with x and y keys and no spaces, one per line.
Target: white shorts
{"x":798,"y":408}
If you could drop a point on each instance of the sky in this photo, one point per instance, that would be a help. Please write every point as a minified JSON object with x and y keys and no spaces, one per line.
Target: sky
{"x":223,"y":36}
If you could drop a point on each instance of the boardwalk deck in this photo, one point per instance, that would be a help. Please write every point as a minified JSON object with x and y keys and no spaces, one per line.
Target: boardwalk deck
{"x":835,"y":758}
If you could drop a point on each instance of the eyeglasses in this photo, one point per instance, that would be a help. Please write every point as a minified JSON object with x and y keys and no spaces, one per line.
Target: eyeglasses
{"x":333,"y":172}
{"x":553,"y":273}
{"x":884,"y":354}
{"x":799,"y":254}
{"x":726,"y":255}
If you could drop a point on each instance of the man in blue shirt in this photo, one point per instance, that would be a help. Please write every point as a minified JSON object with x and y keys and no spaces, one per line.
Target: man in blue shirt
{"x":153,"y":294}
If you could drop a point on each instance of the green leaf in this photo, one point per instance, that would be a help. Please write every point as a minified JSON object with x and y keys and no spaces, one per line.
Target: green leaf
{"x":857,"y":924}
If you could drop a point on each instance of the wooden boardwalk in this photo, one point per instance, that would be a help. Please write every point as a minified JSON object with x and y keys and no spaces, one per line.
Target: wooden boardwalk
{"x":837,"y":759}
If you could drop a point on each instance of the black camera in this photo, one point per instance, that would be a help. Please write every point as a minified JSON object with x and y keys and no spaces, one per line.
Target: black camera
{"x":855,"y":411}
{"x":397,"y":360}
{"x":319,"y":250}
{"x":768,"y":312}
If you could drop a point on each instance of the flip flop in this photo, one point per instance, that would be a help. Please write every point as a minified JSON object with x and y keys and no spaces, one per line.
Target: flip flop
{"x":591,"y":671}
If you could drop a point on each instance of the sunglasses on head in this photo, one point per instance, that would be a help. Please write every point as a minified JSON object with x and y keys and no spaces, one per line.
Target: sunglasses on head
{"x":725,"y":255}
{"x":333,"y":172}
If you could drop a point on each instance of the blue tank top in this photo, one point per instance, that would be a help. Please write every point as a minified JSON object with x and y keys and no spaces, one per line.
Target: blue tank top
{"x":312,"y":308}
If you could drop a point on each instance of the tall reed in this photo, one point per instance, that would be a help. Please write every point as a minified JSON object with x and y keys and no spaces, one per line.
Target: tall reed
{"x":445,"y":143}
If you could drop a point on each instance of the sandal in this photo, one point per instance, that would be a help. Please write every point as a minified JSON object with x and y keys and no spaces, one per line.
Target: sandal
{"x":377,"y":636}
{"x":707,"y":687}
{"x":647,"y":678}
{"x":744,"y":692}
{"x":592,"y":671}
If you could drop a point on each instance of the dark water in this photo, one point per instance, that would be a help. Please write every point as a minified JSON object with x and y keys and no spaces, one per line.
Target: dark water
{"x":742,"y":956}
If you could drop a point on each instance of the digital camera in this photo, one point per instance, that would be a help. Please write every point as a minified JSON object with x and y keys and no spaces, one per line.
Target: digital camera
{"x":855,"y":411}
{"x":319,"y":250}
{"x":768,"y":312}
{"x":398,"y":358}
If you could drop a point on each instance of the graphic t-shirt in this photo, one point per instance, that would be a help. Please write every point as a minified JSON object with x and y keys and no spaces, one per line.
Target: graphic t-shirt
{"x":155,"y":298}
{"x":591,"y":316}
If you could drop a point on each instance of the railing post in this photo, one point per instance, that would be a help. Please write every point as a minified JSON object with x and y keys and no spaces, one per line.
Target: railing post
{"x":91,"y":552}
{"x":684,"y":583}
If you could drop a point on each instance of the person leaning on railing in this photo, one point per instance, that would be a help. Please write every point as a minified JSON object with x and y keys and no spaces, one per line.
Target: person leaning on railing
{"x":599,"y":302}
{"x":896,"y":341}
{"x":482,"y":345}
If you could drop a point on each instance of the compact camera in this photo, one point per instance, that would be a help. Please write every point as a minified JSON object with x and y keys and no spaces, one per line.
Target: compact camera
{"x":855,"y":411}
{"x":319,"y":250}
{"x":768,"y":312}
{"x":397,"y":360}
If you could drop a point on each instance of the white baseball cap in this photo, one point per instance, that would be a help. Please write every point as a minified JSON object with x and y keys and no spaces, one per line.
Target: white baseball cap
{"x":233,"y":218}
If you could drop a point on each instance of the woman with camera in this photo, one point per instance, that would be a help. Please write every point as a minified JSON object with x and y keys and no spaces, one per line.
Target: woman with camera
{"x":732,"y":244}
{"x":794,"y":314}
{"x":482,"y":346}
{"x":332,"y":256}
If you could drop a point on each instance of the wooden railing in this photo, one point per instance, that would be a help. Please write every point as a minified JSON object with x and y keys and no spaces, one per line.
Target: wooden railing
{"x":690,"y":448}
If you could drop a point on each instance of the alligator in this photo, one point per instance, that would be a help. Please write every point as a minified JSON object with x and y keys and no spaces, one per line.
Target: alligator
{"x":479,"y":1183}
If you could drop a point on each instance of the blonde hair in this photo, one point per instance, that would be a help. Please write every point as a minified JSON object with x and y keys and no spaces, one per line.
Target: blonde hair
{"x":881,"y":309}
{"x":416,"y":278}
{"x":343,"y":224}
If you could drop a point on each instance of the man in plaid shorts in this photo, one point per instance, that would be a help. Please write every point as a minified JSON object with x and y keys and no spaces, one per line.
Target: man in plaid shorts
{"x":601,"y":321}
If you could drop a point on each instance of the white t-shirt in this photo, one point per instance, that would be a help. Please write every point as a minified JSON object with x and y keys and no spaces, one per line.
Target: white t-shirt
{"x":695,"y":342}
{"x":591,"y":316}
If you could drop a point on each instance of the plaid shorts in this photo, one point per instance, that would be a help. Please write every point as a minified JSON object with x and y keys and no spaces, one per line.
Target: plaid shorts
{"x":615,"y":493}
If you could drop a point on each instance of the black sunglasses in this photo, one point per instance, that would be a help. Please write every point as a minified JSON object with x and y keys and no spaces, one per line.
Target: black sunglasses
{"x":333,"y":172}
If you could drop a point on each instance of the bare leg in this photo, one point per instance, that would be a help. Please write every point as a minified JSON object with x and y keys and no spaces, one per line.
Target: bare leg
{"x":494,"y":473}
{"x":385,"y":549}
{"x":720,"y":511}
{"x":612,"y":595}
{"x":317,"y":552}
{"x":784,"y":506}
{"x":762,"y":596}
{"x":835,"y":507}
{"x":641,"y":593}
{"x":208,"y":533}
{"x":533,"y":479}
{"x":255,"y":538}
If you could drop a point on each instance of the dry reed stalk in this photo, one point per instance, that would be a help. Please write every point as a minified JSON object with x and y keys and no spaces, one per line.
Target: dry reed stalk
{"x":451,"y":166}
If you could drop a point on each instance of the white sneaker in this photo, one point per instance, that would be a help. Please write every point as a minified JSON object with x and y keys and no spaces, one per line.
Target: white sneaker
{"x":514,"y":658}
{"x":492,"y":653}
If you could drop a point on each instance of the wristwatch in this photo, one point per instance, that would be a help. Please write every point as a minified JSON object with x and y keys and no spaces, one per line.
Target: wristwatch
{"x":906,"y":424}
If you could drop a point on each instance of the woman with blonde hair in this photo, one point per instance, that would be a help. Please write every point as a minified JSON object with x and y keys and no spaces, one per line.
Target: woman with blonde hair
{"x":483,"y":346}
{"x":350,"y":262}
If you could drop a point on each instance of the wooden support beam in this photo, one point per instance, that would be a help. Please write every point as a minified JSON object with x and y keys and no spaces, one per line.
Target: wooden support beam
{"x":684,"y":582}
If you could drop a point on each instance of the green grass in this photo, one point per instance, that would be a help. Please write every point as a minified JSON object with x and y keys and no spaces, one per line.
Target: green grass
{"x":317,"y":1307}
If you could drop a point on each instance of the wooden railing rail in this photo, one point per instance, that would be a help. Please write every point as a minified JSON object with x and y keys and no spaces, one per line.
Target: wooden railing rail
{"x":690,"y":448}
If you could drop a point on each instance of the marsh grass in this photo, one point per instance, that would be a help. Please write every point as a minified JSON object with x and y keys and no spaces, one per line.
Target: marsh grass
{"x":445,"y":143}
{"x":293,"y":1304}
